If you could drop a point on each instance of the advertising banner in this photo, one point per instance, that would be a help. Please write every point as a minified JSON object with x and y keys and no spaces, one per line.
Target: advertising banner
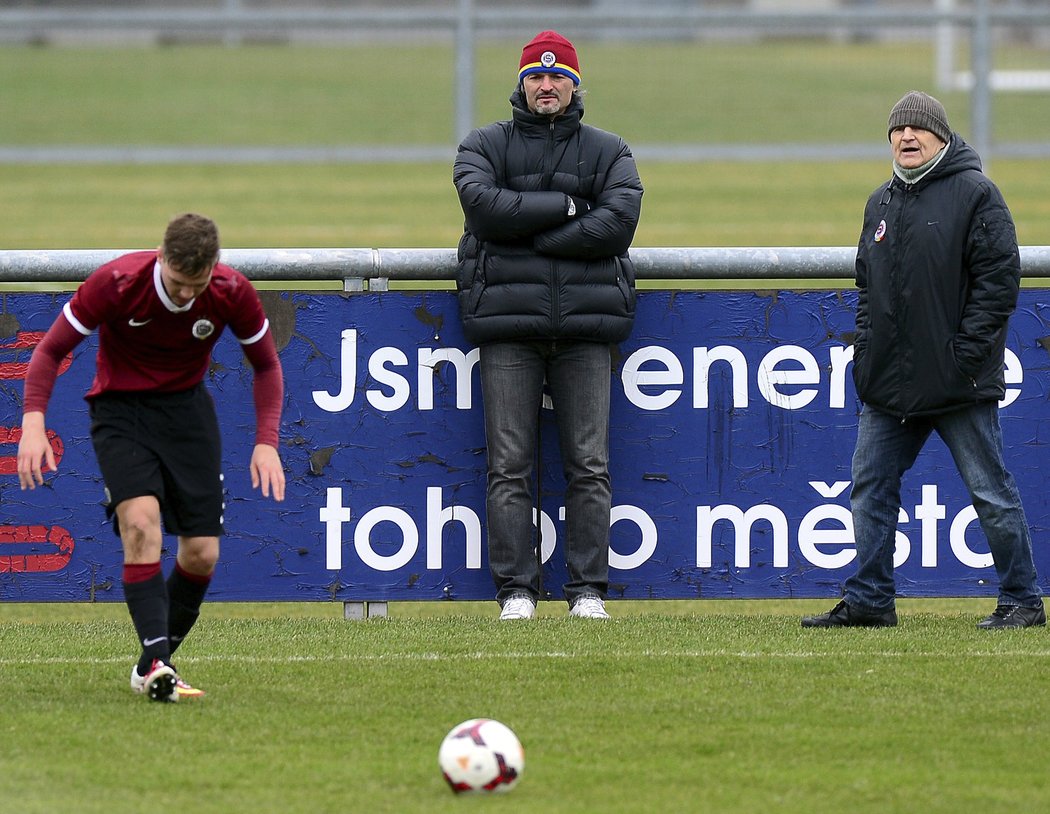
{"x":733,"y":423}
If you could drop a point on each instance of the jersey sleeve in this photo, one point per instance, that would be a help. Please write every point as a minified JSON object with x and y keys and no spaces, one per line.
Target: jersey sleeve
{"x":247,"y":319}
{"x":267,"y":388}
{"x":93,"y":301}
{"x":250,"y":326}
{"x":59,"y":340}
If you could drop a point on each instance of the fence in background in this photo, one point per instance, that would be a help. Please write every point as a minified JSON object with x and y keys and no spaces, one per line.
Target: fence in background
{"x":465,"y":23}
{"x":356,"y":266}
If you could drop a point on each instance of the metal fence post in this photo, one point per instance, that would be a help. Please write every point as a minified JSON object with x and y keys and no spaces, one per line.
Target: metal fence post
{"x":944,"y":54}
{"x":981,"y":97}
{"x":463,"y":78}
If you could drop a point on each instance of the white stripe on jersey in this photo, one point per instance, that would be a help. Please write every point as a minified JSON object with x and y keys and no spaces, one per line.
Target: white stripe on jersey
{"x":76,"y":323}
{"x":251,"y":340}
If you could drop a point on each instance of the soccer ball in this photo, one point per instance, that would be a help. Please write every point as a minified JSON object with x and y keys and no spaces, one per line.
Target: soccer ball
{"x":481,"y":755}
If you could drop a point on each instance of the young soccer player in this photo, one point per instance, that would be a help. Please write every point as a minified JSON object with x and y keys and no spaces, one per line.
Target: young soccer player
{"x":153,"y":423}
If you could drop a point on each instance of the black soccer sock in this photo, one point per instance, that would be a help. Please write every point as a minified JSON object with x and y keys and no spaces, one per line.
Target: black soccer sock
{"x":147,"y":598}
{"x":185,"y":594}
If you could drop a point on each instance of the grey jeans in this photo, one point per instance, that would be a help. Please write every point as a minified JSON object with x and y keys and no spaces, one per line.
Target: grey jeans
{"x":579,"y":377}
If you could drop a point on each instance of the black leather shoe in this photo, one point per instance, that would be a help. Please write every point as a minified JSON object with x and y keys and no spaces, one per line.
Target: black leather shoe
{"x":842,"y":615}
{"x":1005,"y":616}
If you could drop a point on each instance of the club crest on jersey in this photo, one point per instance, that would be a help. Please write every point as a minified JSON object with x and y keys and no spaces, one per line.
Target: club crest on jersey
{"x":880,"y":233}
{"x":203,"y":328}
{"x":547,"y":59}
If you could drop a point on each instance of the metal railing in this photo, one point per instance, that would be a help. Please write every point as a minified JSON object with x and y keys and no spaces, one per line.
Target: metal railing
{"x":359,"y":264}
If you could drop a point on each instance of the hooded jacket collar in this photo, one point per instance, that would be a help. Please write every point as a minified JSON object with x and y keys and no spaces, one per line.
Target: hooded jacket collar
{"x":912,"y":175}
{"x":564,"y":125}
{"x":957,"y":156}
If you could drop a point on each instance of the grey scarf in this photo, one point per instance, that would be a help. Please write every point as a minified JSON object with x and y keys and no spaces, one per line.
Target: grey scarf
{"x":916,"y":174}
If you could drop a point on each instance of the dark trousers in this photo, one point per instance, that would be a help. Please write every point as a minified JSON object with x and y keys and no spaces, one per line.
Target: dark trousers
{"x":579,"y":377}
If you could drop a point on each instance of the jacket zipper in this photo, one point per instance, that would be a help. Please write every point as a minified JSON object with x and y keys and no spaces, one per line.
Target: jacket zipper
{"x":548,"y":171}
{"x":898,"y":283}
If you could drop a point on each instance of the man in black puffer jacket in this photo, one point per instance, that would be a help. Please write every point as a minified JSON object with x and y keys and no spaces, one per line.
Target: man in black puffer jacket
{"x":546,"y":287}
{"x":938,"y":271}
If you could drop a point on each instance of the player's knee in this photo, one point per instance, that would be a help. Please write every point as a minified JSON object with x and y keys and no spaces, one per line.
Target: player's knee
{"x":199,"y":555}
{"x":139,"y":527}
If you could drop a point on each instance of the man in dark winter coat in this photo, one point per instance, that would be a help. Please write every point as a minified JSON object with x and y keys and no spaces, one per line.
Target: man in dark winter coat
{"x":546,"y":287}
{"x":938,"y":271}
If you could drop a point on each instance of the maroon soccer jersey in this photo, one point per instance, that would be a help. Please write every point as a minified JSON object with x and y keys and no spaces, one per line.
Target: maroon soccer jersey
{"x":146,"y":341}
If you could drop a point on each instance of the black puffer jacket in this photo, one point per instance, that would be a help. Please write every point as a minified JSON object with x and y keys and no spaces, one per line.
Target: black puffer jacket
{"x":938,"y":271}
{"x":526,"y":269}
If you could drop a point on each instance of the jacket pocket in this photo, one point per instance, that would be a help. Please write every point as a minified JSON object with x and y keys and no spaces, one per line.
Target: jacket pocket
{"x":470,"y":281}
{"x":965,"y":380}
{"x":861,"y":368}
{"x":625,"y":281}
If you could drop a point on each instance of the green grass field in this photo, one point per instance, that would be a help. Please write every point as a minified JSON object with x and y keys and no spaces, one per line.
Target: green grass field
{"x":798,"y":92}
{"x":713,"y":707}
{"x":692,"y":706}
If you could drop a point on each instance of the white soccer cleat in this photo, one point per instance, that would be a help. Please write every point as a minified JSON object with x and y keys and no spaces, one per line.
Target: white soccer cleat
{"x":160,"y":683}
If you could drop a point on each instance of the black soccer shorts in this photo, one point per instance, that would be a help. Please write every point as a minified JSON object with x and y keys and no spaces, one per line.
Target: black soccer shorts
{"x":166,"y":445}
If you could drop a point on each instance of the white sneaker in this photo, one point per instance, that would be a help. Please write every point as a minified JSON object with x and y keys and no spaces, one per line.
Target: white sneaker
{"x":589,"y":607}
{"x":518,"y":606}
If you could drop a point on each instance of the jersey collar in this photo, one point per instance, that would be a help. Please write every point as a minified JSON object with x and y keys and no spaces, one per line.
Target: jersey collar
{"x":158,"y":283}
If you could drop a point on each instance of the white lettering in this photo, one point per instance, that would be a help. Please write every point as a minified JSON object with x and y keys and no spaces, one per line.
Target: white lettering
{"x":707,"y":516}
{"x":783,"y":367}
{"x":1014,"y":374}
{"x":463,"y":365}
{"x":830,"y":491}
{"x":810,"y":536}
{"x":928,"y":513}
{"x":332,"y":516}
{"x":347,"y":376}
{"x":653,"y":377}
{"x":406,"y":547}
{"x":647,"y":544}
{"x":825,"y":535}
{"x":770,"y":377}
{"x":398,"y":391}
{"x":957,"y":538}
{"x":635,"y":377}
{"x":841,"y":358}
{"x":901,"y":543}
{"x":548,"y":534}
{"x":438,"y":518}
{"x":702,"y":358}
{"x":398,"y":384}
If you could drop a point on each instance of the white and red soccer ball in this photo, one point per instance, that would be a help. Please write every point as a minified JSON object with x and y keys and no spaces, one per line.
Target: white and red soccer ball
{"x":481,"y":755}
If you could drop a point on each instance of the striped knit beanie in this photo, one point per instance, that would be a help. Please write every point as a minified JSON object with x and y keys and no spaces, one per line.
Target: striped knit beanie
{"x":918,"y":109}
{"x":549,"y":52}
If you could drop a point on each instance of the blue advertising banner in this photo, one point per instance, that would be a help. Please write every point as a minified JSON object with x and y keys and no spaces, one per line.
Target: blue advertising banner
{"x":733,"y":424}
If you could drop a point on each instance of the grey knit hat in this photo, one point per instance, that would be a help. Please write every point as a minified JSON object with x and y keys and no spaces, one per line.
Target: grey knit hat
{"x":919,"y":109}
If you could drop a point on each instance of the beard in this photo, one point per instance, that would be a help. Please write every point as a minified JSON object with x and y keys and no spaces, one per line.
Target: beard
{"x":548,"y":105}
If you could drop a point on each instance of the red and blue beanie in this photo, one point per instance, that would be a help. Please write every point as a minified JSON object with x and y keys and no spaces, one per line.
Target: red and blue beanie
{"x":549,"y":52}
